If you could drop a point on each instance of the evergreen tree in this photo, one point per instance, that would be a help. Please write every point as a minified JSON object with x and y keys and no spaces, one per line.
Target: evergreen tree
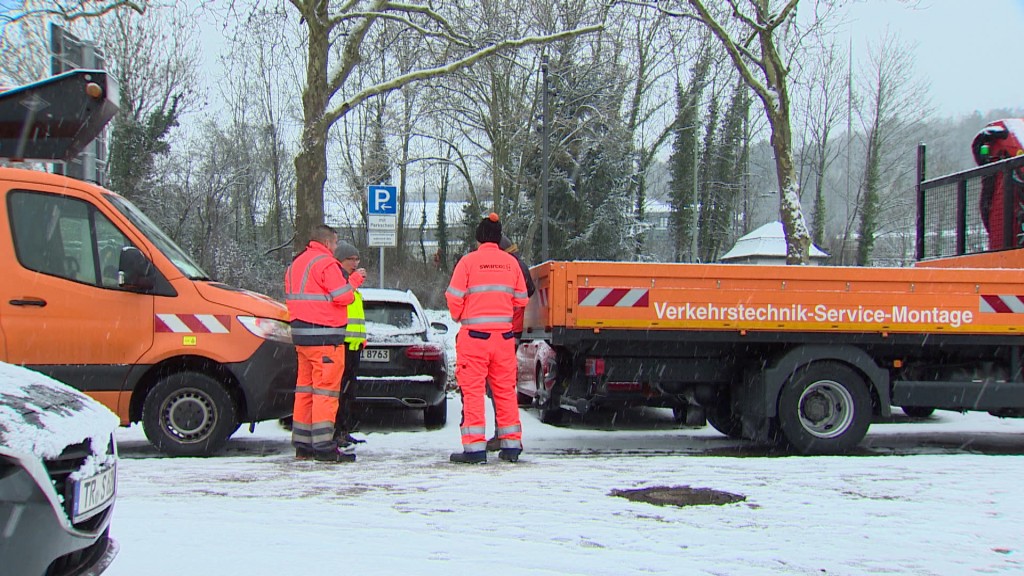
{"x":683,"y":165}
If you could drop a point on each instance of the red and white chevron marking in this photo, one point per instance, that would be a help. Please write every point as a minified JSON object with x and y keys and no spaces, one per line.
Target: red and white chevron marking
{"x":1002,"y":304}
{"x":193,"y":323}
{"x":617,"y":297}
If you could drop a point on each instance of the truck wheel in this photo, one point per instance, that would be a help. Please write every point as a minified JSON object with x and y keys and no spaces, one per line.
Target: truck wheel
{"x":721,"y":418}
{"x":917,"y":411}
{"x":436,"y":416}
{"x":189,"y":414}
{"x":824,"y":408}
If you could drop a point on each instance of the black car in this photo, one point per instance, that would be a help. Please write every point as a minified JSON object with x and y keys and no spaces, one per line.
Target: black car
{"x":404,"y":363}
{"x":58,"y":477}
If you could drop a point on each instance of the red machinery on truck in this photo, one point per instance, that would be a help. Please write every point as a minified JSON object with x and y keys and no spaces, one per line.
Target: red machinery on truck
{"x":807,"y":355}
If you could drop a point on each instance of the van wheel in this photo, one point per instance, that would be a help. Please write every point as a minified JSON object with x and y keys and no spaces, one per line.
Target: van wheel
{"x":824,"y":408}
{"x":189,"y":414}
{"x":436,"y":416}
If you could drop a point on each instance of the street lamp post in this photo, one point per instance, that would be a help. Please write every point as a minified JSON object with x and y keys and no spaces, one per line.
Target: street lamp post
{"x":545,"y":162}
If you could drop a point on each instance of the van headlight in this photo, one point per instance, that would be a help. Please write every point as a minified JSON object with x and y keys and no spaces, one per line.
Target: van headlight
{"x":267,"y":328}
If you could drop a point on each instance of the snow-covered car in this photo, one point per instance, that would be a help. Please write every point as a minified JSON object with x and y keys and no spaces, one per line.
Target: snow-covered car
{"x":404,"y":362}
{"x":58,"y":477}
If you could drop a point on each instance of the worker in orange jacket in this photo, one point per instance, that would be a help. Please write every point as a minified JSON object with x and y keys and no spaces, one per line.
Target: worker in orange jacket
{"x":318,"y":295}
{"x":486,"y":286}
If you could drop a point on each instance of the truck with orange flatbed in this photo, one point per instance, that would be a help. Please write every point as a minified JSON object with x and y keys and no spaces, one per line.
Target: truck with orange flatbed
{"x":804,"y":355}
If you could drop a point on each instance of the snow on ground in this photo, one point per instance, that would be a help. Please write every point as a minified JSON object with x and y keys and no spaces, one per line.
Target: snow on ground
{"x":934,"y":497}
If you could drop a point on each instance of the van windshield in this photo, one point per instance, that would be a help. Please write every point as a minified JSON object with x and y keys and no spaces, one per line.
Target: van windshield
{"x":163,"y":243}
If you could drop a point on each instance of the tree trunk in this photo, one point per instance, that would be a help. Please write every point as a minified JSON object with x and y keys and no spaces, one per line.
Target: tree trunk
{"x":311,"y":161}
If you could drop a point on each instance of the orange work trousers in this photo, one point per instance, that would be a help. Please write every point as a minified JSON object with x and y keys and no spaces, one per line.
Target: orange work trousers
{"x":486,"y":356}
{"x":317,"y":390}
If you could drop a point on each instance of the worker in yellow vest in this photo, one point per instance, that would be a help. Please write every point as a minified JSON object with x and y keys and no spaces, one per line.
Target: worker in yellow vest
{"x":355,"y":341}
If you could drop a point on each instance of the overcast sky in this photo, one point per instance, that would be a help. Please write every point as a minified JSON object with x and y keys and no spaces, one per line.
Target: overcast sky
{"x":966,"y":49}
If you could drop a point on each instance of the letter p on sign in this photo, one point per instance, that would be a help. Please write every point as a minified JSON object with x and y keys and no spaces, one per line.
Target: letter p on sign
{"x":382,"y":200}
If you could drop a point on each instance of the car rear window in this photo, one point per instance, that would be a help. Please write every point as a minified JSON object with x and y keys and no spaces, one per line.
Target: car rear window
{"x":396,"y":314}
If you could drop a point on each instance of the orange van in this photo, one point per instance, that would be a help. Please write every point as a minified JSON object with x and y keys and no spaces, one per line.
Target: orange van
{"x":97,"y":296}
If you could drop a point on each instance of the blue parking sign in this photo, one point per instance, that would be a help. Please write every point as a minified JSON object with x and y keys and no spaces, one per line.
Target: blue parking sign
{"x":382,"y":199}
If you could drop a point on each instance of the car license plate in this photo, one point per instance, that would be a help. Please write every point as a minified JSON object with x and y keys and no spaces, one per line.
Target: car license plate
{"x":92,"y":493}
{"x":375,"y":355}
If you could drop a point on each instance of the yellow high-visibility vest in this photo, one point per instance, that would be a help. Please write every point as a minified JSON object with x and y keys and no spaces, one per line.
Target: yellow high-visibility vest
{"x":355,"y":332}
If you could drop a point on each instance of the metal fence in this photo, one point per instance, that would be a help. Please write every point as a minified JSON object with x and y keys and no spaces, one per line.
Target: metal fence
{"x":952,"y":210}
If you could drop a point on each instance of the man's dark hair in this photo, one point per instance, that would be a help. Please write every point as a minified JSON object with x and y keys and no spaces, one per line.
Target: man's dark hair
{"x":323,"y":234}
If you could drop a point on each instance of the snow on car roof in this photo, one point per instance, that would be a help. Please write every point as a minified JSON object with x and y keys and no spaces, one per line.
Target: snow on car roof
{"x":42,"y":416}
{"x":388,"y":295}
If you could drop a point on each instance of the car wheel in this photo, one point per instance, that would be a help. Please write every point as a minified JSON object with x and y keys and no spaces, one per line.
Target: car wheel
{"x":189,"y":414}
{"x":436,"y":416}
{"x":917,"y":411}
{"x":824,"y":408}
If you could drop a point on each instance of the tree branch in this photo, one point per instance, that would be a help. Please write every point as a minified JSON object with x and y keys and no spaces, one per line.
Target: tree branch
{"x":333,"y":115}
{"x":71,"y":13}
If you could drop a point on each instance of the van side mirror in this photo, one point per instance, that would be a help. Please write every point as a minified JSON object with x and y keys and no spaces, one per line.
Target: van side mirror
{"x":439,"y":327}
{"x":135,"y":270}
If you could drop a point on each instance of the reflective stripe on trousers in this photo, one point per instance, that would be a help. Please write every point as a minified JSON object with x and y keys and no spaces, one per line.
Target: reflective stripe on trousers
{"x":317,"y":389}
{"x":480,"y":361}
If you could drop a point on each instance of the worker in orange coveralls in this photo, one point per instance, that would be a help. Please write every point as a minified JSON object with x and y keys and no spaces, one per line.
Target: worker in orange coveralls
{"x":486,"y":286}
{"x":318,"y":295}
{"x":518,"y":318}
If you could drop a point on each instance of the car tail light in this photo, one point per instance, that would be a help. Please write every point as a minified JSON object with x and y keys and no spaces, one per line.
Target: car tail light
{"x":594,"y":366}
{"x":428,"y":352}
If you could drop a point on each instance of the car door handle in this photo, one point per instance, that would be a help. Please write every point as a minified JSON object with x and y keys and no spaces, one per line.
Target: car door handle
{"x":29,"y":302}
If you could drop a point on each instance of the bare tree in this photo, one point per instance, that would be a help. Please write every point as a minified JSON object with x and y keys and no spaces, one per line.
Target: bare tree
{"x":825,"y":103}
{"x":648,"y":99}
{"x":67,"y":10}
{"x":894,"y":104}
{"x":24,"y":33}
{"x":329,"y":93}
{"x":155,"y":59}
{"x":761,"y":39}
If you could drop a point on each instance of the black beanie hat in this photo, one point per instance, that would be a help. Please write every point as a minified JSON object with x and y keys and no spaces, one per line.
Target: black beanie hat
{"x":489,"y":229}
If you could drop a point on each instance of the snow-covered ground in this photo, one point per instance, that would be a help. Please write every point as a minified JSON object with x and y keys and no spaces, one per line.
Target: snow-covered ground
{"x":936,"y":497}
{"x":933,"y":497}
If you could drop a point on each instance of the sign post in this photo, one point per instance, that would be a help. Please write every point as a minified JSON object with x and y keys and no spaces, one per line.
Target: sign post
{"x":382,"y":220}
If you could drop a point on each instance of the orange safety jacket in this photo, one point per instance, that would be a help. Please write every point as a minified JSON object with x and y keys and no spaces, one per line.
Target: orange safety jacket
{"x":485,"y":287}
{"x":317,"y":295}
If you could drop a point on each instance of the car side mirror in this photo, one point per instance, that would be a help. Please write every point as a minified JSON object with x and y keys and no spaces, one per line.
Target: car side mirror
{"x":439,"y":327}
{"x":135,"y":270}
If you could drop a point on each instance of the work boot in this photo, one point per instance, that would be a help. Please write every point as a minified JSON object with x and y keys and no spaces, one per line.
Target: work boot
{"x":347,"y":438}
{"x":303,"y":453}
{"x":494,"y":444}
{"x":510,"y":454}
{"x":336,"y":456}
{"x":469,"y":457}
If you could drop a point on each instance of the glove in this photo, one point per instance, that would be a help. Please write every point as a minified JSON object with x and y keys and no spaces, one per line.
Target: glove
{"x":356,"y":279}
